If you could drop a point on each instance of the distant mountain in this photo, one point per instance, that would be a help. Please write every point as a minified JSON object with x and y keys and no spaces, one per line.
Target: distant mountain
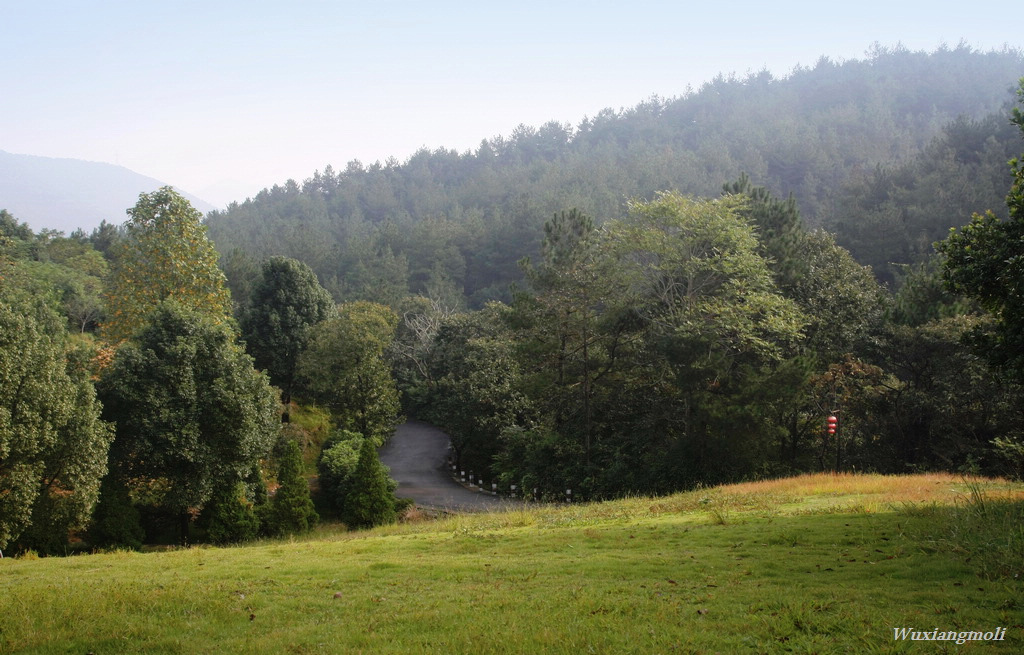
{"x":65,"y":194}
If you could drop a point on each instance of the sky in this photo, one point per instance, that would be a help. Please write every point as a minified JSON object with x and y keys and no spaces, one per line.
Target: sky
{"x":224,"y":98}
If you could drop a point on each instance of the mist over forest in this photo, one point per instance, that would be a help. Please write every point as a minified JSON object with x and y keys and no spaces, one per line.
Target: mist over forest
{"x":887,"y":153}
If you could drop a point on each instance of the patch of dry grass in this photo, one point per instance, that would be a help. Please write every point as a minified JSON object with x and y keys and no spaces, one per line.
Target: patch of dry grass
{"x":924,"y":487}
{"x":815,"y":493}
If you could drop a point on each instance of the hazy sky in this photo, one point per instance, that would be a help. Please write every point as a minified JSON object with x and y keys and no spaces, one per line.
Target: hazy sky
{"x":223,"y":98}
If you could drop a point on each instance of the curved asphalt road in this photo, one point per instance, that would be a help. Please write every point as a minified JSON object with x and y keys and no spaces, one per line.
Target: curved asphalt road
{"x":416,"y":455}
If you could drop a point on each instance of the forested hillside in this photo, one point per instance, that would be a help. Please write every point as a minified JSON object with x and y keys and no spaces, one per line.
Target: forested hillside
{"x":646,"y":302}
{"x":850,"y":140}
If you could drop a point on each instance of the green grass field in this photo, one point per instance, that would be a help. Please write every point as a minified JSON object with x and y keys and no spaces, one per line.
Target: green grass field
{"x":815,"y":564}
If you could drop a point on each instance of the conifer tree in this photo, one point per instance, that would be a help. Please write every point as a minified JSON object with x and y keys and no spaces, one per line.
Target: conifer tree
{"x":337,"y":464}
{"x":370,"y":499}
{"x":286,"y":303}
{"x":779,"y":228}
{"x":291,"y":509}
{"x":229,"y":517}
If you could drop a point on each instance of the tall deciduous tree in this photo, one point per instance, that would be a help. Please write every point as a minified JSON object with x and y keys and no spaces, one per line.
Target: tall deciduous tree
{"x":286,"y":303}
{"x":191,"y":411}
{"x":345,"y":368}
{"x":694,"y":268}
{"x":164,"y":254}
{"x":985,"y":261}
{"x":713,"y":319}
{"x":840,"y":299}
{"x":477,"y":392}
{"x":414,"y":340}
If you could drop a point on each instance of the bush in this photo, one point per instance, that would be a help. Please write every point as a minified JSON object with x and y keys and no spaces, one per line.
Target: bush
{"x":1011,"y":451}
{"x":336,"y":466}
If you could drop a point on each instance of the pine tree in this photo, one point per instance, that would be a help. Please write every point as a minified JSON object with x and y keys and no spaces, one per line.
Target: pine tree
{"x":779,"y":229}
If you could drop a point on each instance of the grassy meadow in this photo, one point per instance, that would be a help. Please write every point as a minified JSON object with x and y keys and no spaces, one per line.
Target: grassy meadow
{"x":811,"y":564}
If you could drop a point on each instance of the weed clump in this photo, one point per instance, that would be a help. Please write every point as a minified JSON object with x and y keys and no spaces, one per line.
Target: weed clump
{"x":986,"y":532}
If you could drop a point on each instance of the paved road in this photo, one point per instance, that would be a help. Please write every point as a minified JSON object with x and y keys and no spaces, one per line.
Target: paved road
{"x":416,"y":456}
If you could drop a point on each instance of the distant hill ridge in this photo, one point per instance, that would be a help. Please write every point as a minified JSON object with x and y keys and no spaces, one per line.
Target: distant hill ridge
{"x":65,"y":194}
{"x":463,"y":220}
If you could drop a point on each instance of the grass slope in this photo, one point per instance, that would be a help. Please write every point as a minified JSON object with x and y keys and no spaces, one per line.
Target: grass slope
{"x":814,"y":564}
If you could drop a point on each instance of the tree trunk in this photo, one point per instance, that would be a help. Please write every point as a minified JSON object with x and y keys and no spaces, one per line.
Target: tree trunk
{"x":184,"y":520}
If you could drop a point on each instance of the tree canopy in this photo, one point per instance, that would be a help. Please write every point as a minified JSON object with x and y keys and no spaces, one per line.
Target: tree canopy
{"x":665,"y":332}
{"x":345,"y":367}
{"x":52,"y":443}
{"x":191,"y":411}
{"x":286,"y":302}
{"x":985,"y":261}
{"x":462,"y":220}
{"x":164,"y":254}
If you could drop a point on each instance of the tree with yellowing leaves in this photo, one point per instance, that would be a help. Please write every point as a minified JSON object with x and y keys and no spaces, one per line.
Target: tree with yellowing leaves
{"x":165,"y":254}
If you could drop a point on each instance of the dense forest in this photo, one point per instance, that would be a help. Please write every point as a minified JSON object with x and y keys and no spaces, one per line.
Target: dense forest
{"x":131,"y":411}
{"x":676,"y":294}
{"x":887,"y":153}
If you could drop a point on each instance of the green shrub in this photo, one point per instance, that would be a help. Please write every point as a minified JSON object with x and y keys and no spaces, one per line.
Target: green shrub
{"x":337,"y":464}
{"x":1011,"y":451}
{"x":403,"y":504}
